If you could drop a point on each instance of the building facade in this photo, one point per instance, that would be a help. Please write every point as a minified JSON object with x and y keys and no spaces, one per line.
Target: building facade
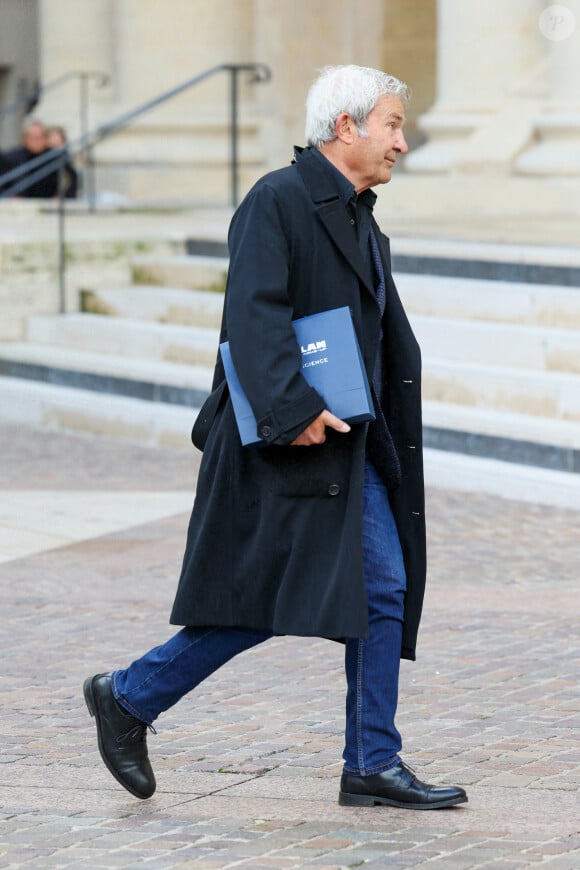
{"x":494,"y":122}
{"x":19,"y":64}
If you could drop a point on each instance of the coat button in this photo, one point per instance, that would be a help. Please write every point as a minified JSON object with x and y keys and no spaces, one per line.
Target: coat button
{"x":333,"y":489}
{"x":266,"y":431}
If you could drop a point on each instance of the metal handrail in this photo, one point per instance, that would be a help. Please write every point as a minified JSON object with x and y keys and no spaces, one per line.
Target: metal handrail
{"x":48,"y":162}
{"x":101,"y":80}
{"x":54,"y":161}
{"x":28,"y":102}
{"x":45,"y":164}
{"x":33,"y":97}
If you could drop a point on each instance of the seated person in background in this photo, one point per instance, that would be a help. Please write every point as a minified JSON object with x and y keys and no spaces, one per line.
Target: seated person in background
{"x":33,"y":144}
{"x":56,"y":138}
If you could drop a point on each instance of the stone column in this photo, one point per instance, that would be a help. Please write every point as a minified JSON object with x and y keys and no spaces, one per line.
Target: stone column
{"x":160,"y":45}
{"x":19,"y":63}
{"x":486,"y":54}
{"x":75,"y":36}
{"x":556,"y":150}
{"x":181,"y":149}
{"x":296,"y":40}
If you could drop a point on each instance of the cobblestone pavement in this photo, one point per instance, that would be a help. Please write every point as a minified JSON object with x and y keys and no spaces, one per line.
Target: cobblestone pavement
{"x":248,"y":766}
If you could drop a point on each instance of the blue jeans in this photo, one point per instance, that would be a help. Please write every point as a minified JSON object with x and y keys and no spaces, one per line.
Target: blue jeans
{"x":372,"y":742}
{"x":159,"y":679}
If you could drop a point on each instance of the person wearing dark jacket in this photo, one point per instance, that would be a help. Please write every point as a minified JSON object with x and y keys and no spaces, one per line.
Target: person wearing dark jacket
{"x":34,"y":143}
{"x":321,"y":530}
{"x":56,"y":139}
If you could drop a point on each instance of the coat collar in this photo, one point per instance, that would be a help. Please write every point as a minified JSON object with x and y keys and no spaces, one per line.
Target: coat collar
{"x":331,"y":209}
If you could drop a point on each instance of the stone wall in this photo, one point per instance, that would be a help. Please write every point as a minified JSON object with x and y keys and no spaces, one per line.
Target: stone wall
{"x":19,"y":62}
{"x":496,"y":91}
{"x":181,"y":150}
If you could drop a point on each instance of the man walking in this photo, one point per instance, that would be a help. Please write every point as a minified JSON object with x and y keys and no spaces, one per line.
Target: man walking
{"x":320,"y":531}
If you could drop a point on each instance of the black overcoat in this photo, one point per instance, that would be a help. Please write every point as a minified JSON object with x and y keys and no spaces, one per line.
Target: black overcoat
{"x":275,"y":536}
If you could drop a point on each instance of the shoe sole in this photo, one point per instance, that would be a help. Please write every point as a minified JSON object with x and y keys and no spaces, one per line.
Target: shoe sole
{"x":363,"y":800}
{"x":93,"y":709}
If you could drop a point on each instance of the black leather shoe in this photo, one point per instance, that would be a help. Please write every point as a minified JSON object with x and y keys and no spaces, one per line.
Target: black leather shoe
{"x":122,"y":738}
{"x":397,"y":787}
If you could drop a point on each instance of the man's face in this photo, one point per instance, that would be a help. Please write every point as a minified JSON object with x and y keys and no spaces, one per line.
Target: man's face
{"x":55,"y":139}
{"x":34,"y":139}
{"x":372,"y":157}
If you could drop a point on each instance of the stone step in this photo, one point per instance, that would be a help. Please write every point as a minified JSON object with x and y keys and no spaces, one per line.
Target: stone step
{"x":466,"y":298}
{"x":507,"y":480}
{"x":519,"y":438}
{"x":470,"y":418}
{"x":498,"y":344}
{"x":551,"y":395}
{"x":158,"y":304}
{"x":490,"y":301}
{"x":184,"y":271}
{"x":94,"y":333}
{"x":157,"y":381}
{"x":75,"y":410}
{"x":453,"y":339}
{"x":193,"y":185}
{"x":70,"y":378}
{"x":538,"y":401}
{"x":542,"y":263}
{"x":474,"y":431}
{"x":183,"y":150}
{"x":545,"y":262}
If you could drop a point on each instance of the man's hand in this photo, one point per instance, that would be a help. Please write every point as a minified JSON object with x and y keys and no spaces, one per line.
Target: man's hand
{"x":316,"y":434}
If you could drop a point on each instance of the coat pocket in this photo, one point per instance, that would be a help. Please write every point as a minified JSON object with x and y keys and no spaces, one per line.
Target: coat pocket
{"x":207,"y":415}
{"x":319,"y":471}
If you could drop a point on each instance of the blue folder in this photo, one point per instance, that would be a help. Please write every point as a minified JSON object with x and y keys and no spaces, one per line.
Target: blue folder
{"x":331,"y":363}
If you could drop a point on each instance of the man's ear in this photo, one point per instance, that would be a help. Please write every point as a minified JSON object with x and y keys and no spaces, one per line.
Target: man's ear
{"x":345,"y":128}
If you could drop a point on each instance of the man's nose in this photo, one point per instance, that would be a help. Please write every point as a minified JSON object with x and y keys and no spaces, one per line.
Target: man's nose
{"x":401,"y":145}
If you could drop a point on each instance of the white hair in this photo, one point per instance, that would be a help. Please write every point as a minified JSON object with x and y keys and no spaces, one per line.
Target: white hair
{"x":31,"y":122}
{"x":351,"y":89}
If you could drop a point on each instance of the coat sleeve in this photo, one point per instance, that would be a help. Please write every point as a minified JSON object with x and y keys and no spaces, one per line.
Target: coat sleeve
{"x":259,"y":312}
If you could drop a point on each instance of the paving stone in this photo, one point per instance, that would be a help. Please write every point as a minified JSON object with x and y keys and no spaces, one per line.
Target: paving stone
{"x":247,"y":772}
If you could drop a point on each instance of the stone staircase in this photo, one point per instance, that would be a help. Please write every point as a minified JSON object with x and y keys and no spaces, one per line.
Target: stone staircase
{"x":501,"y":367}
{"x":177,"y":159}
{"x":136,"y":362}
{"x":501,"y":360}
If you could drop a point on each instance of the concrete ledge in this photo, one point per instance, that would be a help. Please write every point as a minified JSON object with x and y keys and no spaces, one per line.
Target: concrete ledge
{"x":149,"y":391}
{"x":536,"y":393}
{"x":460,"y":259}
{"x":526,"y":273}
{"x":206,"y":248}
{"x":539,"y":486}
{"x":135,"y":339}
{"x":158,"y":304}
{"x":501,"y":302}
{"x":68,"y":409}
{"x":514,"y":450}
{"x":514,"y":346}
{"x":186,"y":272}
